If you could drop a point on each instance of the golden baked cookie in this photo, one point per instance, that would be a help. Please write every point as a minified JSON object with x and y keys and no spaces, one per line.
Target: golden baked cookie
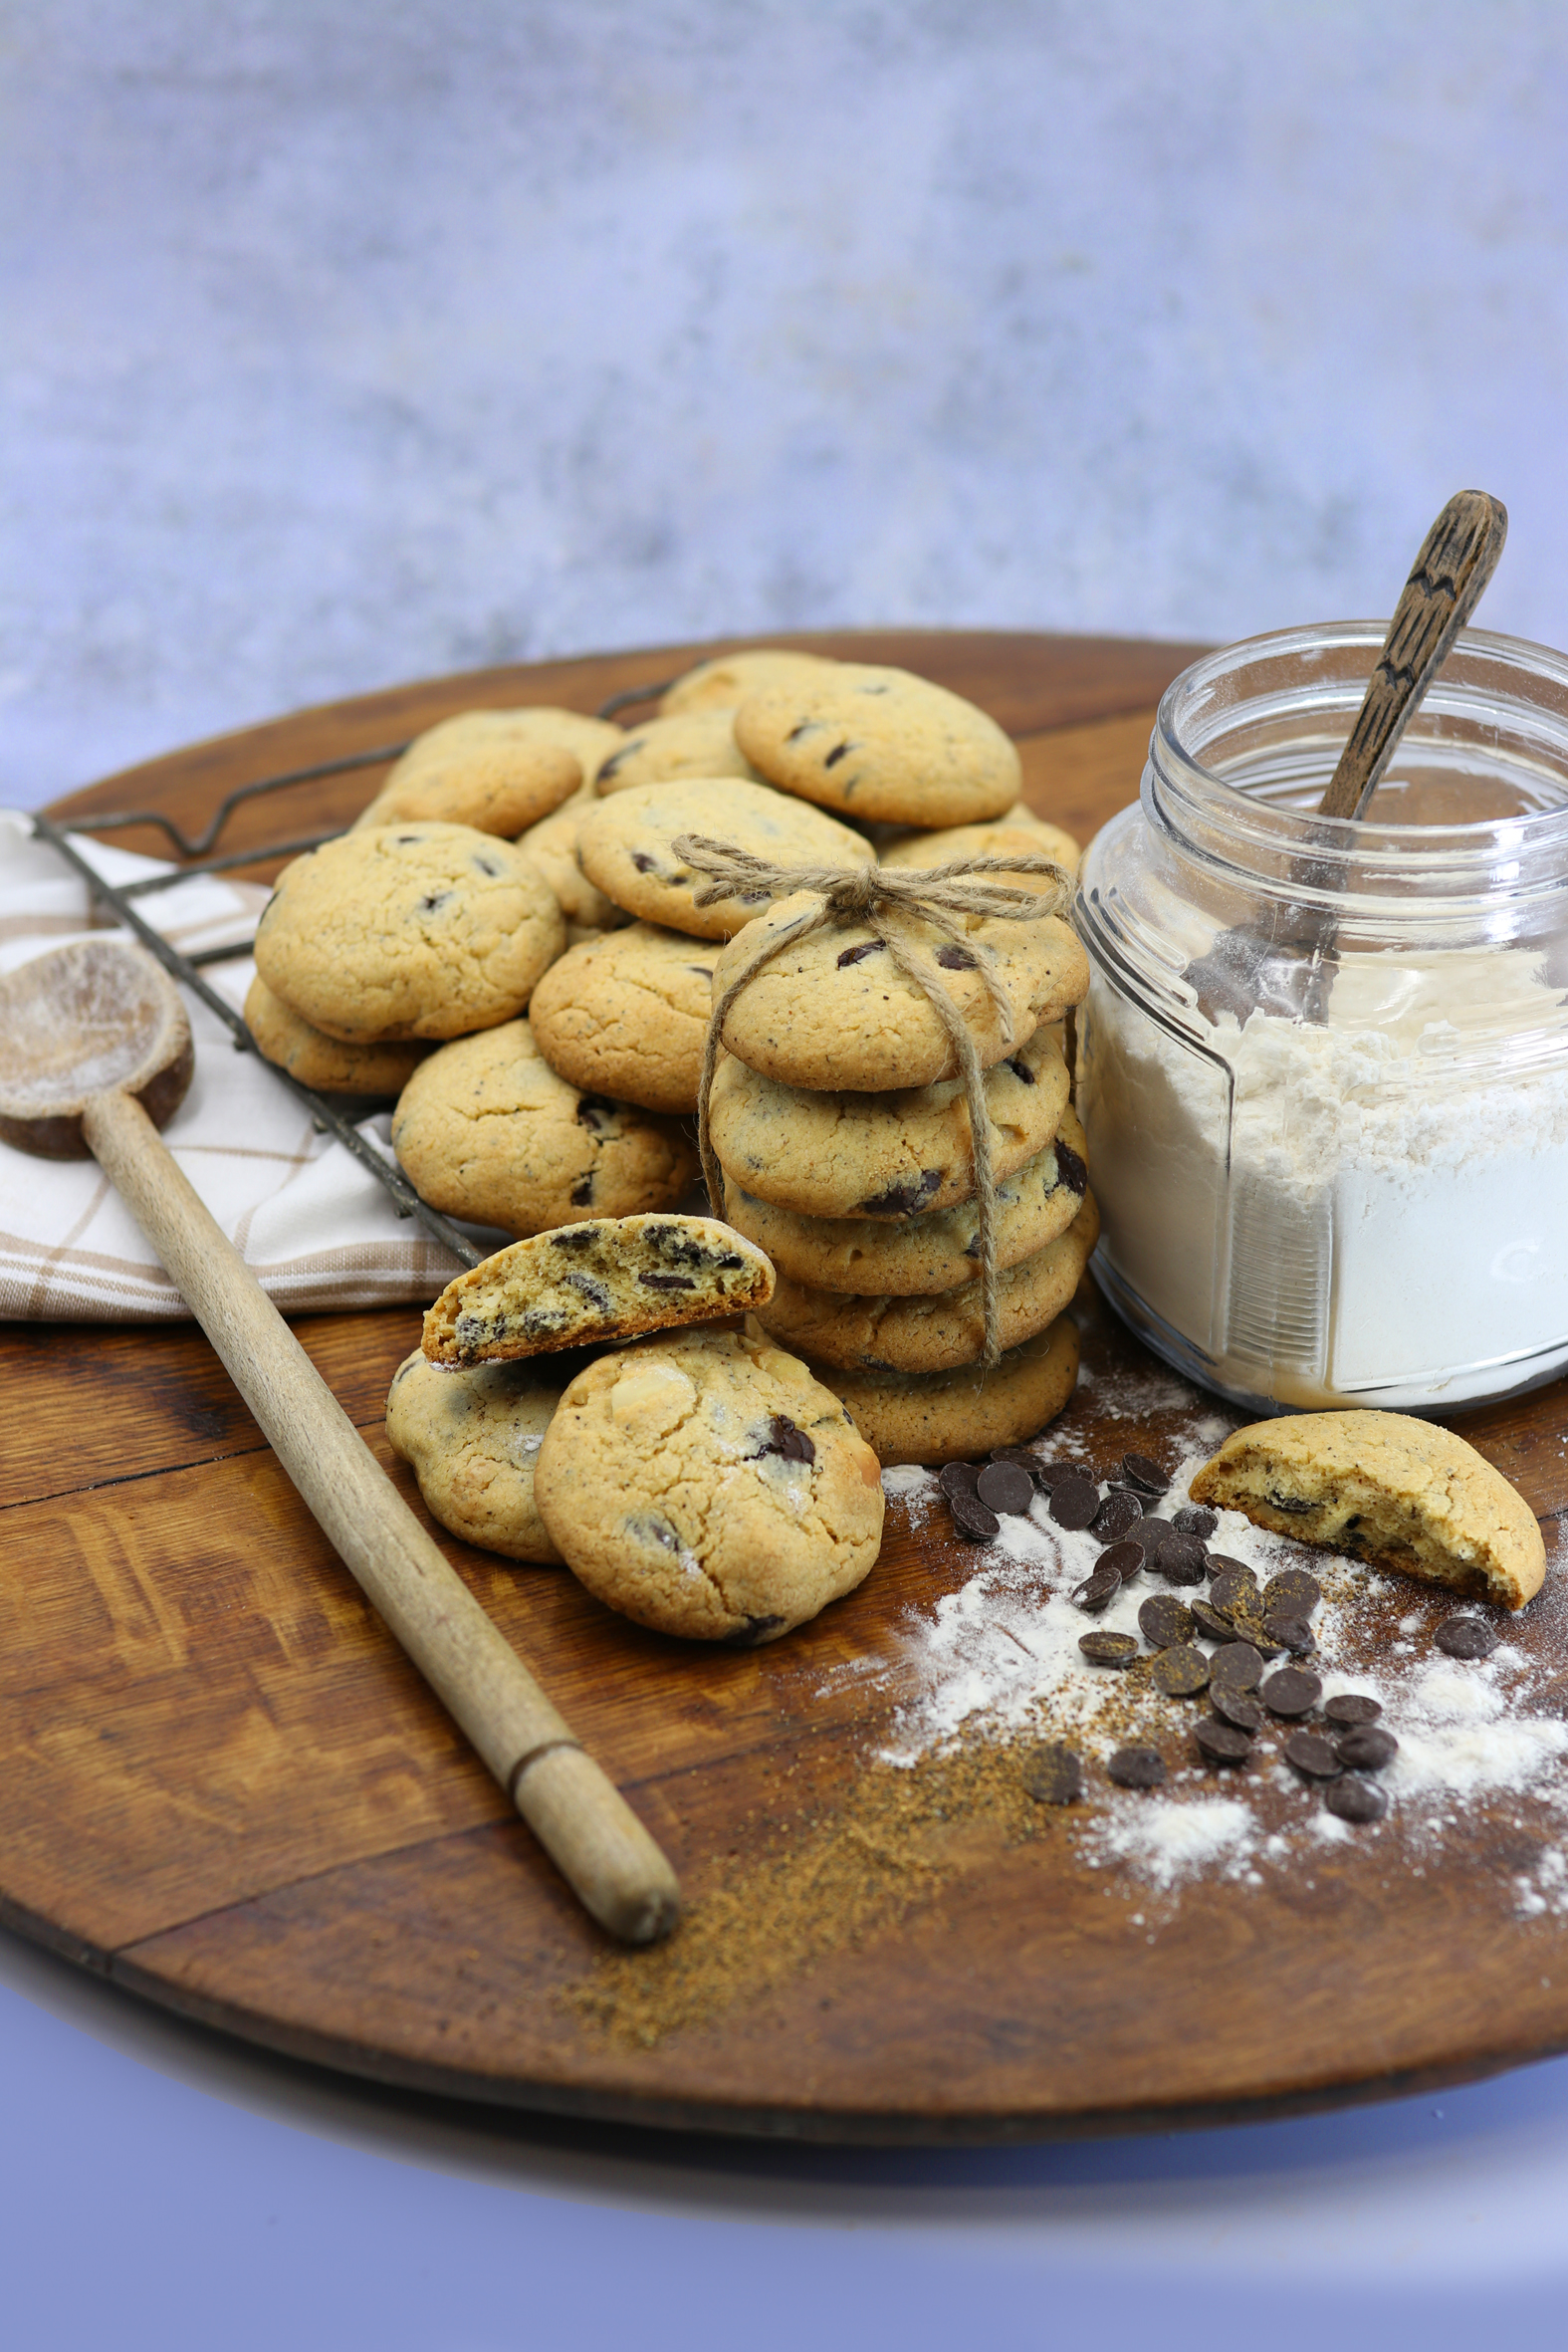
{"x":880,"y":1155}
{"x":937,"y":1417}
{"x":478,"y":769}
{"x":901,"y":1255}
{"x":880,"y":745}
{"x":724,"y":683}
{"x":1016,"y":834}
{"x":486,"y":1130}
{"x":692,"y":743}
{"x":1395,"y":1492}
{"x":585,"y":1285}
{"x":588,"y":740}
{"x":319,"y":1060}
{"x":408,"y":931}
{"x":624,"y":846}
{"x":708,"y":1486}
{"x":627,"y":1016}
{"x":472,"y":1440}
{"x":934,"y":1330}
{"x":836,"y":1012}
{"x":553,"y":846}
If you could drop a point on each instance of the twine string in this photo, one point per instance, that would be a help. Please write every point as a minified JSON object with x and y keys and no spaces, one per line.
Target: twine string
{"x":867,"y":896}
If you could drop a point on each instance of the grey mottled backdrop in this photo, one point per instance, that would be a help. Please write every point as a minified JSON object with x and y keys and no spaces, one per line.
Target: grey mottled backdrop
{"x":347,"y":340}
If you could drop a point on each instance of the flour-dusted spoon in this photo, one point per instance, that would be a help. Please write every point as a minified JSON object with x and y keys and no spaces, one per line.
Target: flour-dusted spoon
{"x":1288,"y":971}
{"x":95,"y":1054}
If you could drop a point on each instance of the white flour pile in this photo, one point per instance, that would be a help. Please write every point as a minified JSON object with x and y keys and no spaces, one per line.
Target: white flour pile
{"x":999,"y":1660}
{"x":1380,"y":1203}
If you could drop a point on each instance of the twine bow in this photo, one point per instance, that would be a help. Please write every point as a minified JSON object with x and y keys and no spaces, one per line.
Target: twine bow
{"x":867,"y":896}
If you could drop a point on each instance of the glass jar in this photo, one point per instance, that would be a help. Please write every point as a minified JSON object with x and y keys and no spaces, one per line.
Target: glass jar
{"x":1323,"y":1064}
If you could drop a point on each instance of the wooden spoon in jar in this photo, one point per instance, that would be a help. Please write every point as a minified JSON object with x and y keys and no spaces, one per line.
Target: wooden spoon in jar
{"x":95,"y":1054}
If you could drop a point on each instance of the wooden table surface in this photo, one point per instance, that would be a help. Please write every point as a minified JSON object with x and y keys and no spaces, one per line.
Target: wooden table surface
{"x":221,"y":1784}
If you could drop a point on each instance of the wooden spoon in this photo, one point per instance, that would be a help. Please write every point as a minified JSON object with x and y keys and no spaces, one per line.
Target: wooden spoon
{"x":95,"y":1052}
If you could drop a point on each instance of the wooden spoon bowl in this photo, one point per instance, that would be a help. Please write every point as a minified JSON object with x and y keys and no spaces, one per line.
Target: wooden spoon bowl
{"x":94,"y":1016}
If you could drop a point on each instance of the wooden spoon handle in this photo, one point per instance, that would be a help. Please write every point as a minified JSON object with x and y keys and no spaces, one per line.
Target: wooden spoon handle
{"x":576,"y":1811}
{"x":1457,"y":557}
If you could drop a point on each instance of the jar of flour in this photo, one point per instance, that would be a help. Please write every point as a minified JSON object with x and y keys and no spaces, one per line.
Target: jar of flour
{"x":1323,"y":1064}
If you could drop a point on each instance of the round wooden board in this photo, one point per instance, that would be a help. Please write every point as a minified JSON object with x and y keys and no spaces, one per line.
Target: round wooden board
{"x":223,"y":1786}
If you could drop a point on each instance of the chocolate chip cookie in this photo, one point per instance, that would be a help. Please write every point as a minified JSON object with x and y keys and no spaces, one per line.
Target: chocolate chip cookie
{"x":880,"y":745}
{"x":624,"y":846}
{"x":472,"y":1440}
{"x":627,"y":1016}
{"x":937,"y":1417}
{"x":319,"y":1060}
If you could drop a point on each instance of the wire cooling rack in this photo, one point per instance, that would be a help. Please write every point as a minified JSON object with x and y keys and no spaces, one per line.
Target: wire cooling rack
{"x":198,"y":852}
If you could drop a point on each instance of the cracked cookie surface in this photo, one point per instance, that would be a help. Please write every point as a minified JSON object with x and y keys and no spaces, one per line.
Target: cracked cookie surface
{"x":880,"y":1155}
{"x":836,"y":1012}
{"x":472,"y":1440}
{"x":585,"y":1285}
{"x":882,"y":745}
{"x":709,"y":1486}
{"x":319,"y":1060}
{"x":937,"y":1252}
{"x":627,"y":1016}
{"x":935,"y":1417}
{"x":936,"y":1330}
{"x":486,"y":1130}
{"x":624,"y":846}
{"x":408,"y":931}
{"x":1390,"y":1489}
{"x":477,"y":769}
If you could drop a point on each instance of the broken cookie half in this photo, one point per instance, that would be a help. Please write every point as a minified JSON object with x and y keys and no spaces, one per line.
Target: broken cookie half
{"x":1392,"y":1491}
{"x":581,"y":1284}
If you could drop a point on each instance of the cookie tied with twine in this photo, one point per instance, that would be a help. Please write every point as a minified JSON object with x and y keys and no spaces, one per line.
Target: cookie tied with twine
{"x":867,"y":896}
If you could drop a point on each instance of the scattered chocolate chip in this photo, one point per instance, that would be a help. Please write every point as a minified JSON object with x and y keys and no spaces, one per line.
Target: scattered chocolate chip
{"x":1054,"y":1775}
{"x":1194,"y":1520}
{"x":1108,"y":1649}
{"x":1294,"y":1591}
{"x":957,"y":1477}
{"x":1235,"y":1588}
{"x":971,"y":1516}
{"x":1467,"y":1637}
{"x":1023,"y":1457}
{"x":1164,"y":1622}
{"x":1096,"y":1592}
{"x":1251,"y":1627}
{"x":1356,"y":1801}
{"x":1367,"y":1749}
{"x":1222,"y":1744}
{"x":1291,"y":1633}
{"x":1073,"y":1502}
{"x":1146,"y":1476}
{"x":1213,"y":1624}
{"x":1052,"y":1474}
{"x":1149,"y":1533}
{"x":1239,"y":1707}
{"x":1137,"y":1768}
{"x":1182,"y":1560}
{"x":1222,"y":1565}
{"x":1181,"y":1672}
{"x":1237,"y":1666}
{"x":1006,"y":1487}
{"x":1124,"y":1558}
{"x":1352,"y":1707}
{"x":1116,"y":1515}
{"x":1311,"y":1754}
{"x":1290,"y":1692}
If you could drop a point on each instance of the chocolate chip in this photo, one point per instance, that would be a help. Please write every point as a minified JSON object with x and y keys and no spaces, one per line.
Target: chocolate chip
{"x":1291,"y":1633}
{"x":583,"y":1191}
{"x":785,"y":1439}
{"x":1235,"y":1588}
{"x":1220,"y":1744}
{"x":1004,"y":1487}
{"x":1194,"y":1520}
{"x":1070,"y":1170}
{"x":1108,"y":1649}
{"x":1222,"y":1565}
{"x":1237,"y":1706}
{"x":1352,"y":1707}
{"x":971,"y":1518}
{"x":904,"y":1200}
{"x":1237,"y":1666}
{"x":1182,"y":1560}
{"x":1290,"y":1692}
{"x":1356,"y":1801}
{"x":1053,"y":1775}
{"x":1115,"y":1516}
{"x":957,"y":1477}
{"x":954,"y":959}
{"x":1294,"y":1591}
{"x":1073,"y":1502}
{"x":1096,"y":1592}
{"x":1137,"y":1768}
{"x":1213,"y":1624}
{"x":1146,"y":1475}
{"x":1149,"y":1533}
{"x":642,"y":861}
{"x":1181,"y":1672}
{"x":1311,"y":1754}
{"x":667,"y":1281}
{"x":1367,"y":1749}
{"x":1021,"y":1068}
{"x":1125,"y":1559}
{"x":1467,"y":1637}
{"x":1164,"y":1622}
{"x":856,"y":955}
{"x":838,"y":752}
{"x":1251,"y":1627}
{"x":1052,"y":1474}
{"x":1021,"y":1455}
